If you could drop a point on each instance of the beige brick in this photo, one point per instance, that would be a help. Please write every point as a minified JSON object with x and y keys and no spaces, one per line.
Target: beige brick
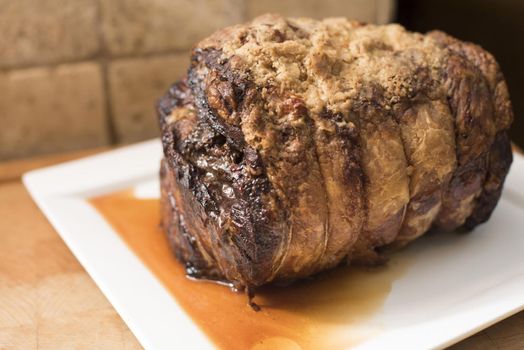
{"x":363,"y":10}
{"x":386,"y":11}
{"x":44,"y":110}
{"x":45,"y":31}
{"x":135,"y":86}
{"x":140,"y":26}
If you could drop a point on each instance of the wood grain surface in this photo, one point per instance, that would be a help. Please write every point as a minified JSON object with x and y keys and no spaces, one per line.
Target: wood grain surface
{"x":47,"y":300}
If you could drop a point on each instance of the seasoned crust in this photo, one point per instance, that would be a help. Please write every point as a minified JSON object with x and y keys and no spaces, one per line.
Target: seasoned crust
{"x":470,"y":79}
{"x":499,"y":157}
{"x":222,"y":195}
{"x":295,"y":145}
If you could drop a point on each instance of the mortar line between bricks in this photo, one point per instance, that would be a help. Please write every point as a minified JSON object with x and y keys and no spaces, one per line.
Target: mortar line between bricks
{"x":111,"y":128}
{"x":110,"y":125}
{"x":98,"y":57}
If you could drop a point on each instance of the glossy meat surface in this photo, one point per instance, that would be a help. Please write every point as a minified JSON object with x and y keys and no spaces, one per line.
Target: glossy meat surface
{"x":294,"y":145}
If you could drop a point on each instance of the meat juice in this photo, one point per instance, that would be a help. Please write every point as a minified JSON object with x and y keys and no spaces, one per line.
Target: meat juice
{"x":328,"y":311}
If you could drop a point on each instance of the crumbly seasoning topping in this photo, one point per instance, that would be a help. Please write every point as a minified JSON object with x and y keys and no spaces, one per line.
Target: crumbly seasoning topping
{"x":332,"y":63}
{"x":180,"y":113}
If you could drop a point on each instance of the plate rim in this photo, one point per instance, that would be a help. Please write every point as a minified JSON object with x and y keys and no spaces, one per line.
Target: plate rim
{"x":60,"y":189}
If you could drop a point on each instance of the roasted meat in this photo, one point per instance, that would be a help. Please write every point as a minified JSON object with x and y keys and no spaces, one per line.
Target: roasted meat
{"x":295,"y":145}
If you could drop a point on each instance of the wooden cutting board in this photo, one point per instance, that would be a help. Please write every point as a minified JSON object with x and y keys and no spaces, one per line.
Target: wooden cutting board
{"x":47,"y":300}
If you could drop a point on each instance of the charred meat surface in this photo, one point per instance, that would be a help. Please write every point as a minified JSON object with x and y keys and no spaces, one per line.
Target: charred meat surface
{"x":295,"y":145}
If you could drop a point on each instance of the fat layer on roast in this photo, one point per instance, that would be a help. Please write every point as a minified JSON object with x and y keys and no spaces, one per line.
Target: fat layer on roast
{"x":294,"y":145}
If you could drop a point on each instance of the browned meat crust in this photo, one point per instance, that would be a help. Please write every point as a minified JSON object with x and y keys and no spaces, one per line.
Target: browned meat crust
{"x":294,"y":145}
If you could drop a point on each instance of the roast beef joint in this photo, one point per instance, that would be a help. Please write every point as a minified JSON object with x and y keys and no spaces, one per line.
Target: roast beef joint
{"x":295,"y":145}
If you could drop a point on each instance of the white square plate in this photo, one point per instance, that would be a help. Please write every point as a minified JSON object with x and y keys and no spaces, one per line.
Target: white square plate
{"x":457,"y":285}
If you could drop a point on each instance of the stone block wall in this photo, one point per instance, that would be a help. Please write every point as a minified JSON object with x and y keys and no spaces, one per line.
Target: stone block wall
{"x":85,"y":73}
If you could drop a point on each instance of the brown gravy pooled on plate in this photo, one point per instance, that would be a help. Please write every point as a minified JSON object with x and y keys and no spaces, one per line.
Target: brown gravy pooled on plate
{"x":326,"y":312}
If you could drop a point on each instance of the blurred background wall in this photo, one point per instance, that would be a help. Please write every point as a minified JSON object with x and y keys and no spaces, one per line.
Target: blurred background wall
{"x":85,"y":73}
